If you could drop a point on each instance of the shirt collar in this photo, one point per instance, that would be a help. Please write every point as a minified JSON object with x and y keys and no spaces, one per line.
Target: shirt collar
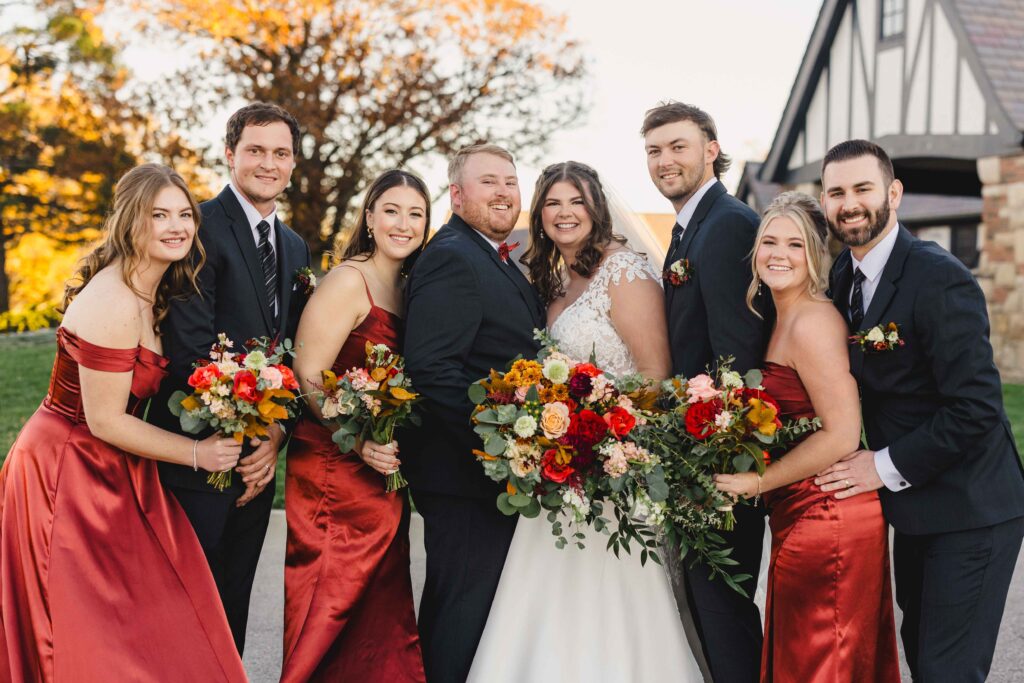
{"x":496,"y":245}
{"x":251,"y":212}
{"x":875,"y":260}
{"x":690,"y":207}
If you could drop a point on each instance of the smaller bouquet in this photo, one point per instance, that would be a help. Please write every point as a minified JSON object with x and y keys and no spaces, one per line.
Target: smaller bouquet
{"x":370,"y":402}
{"x":878,"y":338}
{"x":238,"y":394}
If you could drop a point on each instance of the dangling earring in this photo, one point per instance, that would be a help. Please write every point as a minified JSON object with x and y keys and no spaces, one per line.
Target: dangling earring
{"x":369,"y":231}
{"x":760,"y":291}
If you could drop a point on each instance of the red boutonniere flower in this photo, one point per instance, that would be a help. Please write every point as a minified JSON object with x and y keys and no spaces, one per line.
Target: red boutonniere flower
{"x":305,"y":280}
{"x":678,"y":273}
{"x":505,"y":249}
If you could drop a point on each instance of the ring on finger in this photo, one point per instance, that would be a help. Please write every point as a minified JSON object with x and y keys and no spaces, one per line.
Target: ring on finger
{"x":847,"y":483}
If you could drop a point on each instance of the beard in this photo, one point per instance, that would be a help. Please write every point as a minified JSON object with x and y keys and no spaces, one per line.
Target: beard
{"x":479,"y":217}
{"x":858,"y":237}
{"x":691,"y":182}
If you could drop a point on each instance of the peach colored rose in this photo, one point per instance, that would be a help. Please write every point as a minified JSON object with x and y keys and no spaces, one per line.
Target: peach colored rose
{"x":700,"y":388}
{"x":554,"y":420}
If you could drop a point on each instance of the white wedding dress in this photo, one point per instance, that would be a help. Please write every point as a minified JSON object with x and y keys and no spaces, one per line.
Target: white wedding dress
{"x":584,"y":615}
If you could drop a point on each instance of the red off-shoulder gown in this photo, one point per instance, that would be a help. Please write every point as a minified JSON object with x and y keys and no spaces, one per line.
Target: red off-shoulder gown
{"x":348,"y":612}
{"x":828,"y":613}
{"x":101,"y":576}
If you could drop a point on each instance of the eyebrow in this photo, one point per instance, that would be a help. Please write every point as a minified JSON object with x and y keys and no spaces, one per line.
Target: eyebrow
{"x":160,"y":208}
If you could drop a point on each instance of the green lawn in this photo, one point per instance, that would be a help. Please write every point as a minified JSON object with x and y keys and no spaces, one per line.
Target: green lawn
{"x":25,"y":362}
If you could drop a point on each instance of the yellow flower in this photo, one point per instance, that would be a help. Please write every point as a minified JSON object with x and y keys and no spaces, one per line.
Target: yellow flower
{"x":525,"y":373}
{"x":401,"y":394}
{"x":762,"y":416}
{"x":559,"y":392}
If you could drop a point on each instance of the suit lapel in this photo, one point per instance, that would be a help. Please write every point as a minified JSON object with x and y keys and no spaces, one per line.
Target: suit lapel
{"x":694,"y":226}
{"x":286,"y":267}
{"x":842,"y":280}
{"x":247,"y":246}
{"x":508,"y":270}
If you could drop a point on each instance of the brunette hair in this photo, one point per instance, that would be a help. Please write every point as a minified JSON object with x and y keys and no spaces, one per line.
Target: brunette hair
{"x":458,"y":162}
{"x":360,"y":244}
{"x":127,"y":230}
{"x":672,"y":112}
{"x":803,"y":210}
{"x":853,"y":149}
{"x":542,"y":258}
{"x":260,"y":114}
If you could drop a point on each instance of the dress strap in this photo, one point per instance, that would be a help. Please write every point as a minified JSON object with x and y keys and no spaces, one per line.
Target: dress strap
{"x":368,"y":295}
{"x":96,"y":357}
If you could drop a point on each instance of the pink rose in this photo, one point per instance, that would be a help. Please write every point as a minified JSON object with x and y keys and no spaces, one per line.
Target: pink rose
{"x":272,"y":376}
{"x":700,"y":388}
{"x":554,"y":420}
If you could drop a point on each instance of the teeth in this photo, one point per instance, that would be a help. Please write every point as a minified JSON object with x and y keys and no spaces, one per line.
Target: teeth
{"x":566,"y":226}
{"x":500,"y":207}
{"x":779,"y":268}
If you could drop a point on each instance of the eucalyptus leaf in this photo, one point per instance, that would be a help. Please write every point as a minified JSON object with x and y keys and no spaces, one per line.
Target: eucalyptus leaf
{"x":191,"y":424}
{"x":174,"y":402}
{"x":519,"y":500}
{"x":477,"y":394}
{"x":532,"y":394}
{"x":753,"y":378}
{"x":531,"y":510}
{"x":495,"y":445}
{"x":504,"y":505}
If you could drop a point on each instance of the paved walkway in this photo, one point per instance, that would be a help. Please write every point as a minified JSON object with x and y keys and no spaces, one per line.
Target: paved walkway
{"x":263,"y":642}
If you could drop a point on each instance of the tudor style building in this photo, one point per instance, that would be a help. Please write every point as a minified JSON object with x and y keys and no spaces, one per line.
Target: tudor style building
{"x":940,"y":85}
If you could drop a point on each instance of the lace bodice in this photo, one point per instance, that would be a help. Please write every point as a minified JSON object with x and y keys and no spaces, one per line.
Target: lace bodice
{"x":585,"y":326}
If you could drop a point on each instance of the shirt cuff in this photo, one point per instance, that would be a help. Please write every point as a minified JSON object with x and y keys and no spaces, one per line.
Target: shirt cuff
{"x":887,"y":472}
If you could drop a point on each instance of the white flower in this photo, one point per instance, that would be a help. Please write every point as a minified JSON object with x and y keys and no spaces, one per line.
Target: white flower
{"x":522,"y":467}
{"x":893,"y":337}
{"x":272,"y":376}
{"x":875,"y":334}
{"x":330,"y":408}
{"x":600,"y":388}
{"x":256,"y":360}
{"x":723,"y":420}
{"x":556,"y":370}
{"x":577,"y":502}
{"x":525,"y":427}
{"x":732,"y":380}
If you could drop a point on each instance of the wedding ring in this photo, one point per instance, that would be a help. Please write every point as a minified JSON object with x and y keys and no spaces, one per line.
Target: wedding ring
{"x":847,"y":482}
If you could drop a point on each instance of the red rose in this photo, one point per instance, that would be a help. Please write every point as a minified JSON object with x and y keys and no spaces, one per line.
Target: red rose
{"x":288,"y":380}
{"x":551,"y":470}
{"x":245,"y":387}
{"x":700,"y":418}
{"x":586,"y":369}
{"x":586,"y":428}
{"x":619,"y":421}
{"x":203,"y":377}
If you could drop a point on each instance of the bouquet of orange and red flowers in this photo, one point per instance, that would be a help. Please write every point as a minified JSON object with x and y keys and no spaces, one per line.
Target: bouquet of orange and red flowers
{"x":559,"y":434}
{"x":238,"y":394}
{"x":370,"y":402}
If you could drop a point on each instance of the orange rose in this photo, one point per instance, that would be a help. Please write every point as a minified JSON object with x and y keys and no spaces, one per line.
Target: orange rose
{"x":554,"y":420}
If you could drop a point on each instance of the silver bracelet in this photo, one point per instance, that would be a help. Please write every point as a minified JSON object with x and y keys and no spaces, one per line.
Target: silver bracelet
{"x":195,"y":445}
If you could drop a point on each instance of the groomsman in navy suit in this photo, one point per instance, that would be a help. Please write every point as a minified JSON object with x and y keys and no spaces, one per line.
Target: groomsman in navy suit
{"x":939,"y":446}
{"x":247,"y":290}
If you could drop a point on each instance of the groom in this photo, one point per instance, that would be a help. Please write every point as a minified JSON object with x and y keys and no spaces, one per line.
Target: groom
{"x":470,"y":309}
{"x":247,"y":290}
{"x":708,"y":319}
{"x":941,"y":453}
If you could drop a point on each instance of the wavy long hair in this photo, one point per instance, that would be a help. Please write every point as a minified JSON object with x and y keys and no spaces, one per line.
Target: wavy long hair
{"x":803,"y":210}
{"x":127,"y":231}
{"x":542,"y":258}
{"x":360,"y":243}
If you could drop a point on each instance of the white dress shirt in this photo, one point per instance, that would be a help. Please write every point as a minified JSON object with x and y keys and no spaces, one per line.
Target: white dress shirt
{"x":690,"y":207}
{"x":872,"y":267}
{"x":254,"y":216}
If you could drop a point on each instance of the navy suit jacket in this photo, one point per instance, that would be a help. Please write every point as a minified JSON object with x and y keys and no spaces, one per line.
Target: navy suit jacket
{"x":232,"y":300}
{"x":468,"y":313}
{"x":936,"y":402}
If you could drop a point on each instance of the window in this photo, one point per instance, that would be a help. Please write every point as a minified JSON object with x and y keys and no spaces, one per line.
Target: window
{"x":893,"y":18}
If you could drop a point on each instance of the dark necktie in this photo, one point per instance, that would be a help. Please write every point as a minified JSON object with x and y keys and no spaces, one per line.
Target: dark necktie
{"x":677,"y":237}
{"x":857,"y":300}
{"x":269,"y":263}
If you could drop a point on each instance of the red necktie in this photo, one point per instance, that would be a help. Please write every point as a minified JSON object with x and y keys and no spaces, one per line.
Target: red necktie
{"x":505,"y":249}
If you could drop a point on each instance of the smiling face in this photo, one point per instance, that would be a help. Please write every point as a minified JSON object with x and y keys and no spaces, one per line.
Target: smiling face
{"x":680,"y":160}
{"x":261,"y":163}
{"x":486,"y":195}
{"x":781,"y":255}
{"x":859,"y":205}
{"x":172,"y":226}
{"x":398,"y":221}
{"x":564,"y":216}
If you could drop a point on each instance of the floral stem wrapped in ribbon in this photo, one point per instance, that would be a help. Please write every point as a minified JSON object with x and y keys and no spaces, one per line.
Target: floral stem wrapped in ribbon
{"x":238,"y":394}
{"x":370,"y":402}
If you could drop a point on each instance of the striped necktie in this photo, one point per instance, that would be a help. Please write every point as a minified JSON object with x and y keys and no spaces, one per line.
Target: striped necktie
{"x":857,"y":299}
{"x":269,"y":262}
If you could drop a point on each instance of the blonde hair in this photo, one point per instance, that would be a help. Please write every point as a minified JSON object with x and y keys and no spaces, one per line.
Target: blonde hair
{"x":458,"y":162}
{"x":805,"y":212}
{"x":127,"y":230}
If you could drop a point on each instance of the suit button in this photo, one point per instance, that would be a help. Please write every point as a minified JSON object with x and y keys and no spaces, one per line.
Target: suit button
{"x":903,"y":483}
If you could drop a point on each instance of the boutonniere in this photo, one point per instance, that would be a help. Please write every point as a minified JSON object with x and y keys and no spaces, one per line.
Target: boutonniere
{"x":878,"y":338}
{"x":305,"y":280}
{"x":505,"y":250}
{"x":678,"y":273}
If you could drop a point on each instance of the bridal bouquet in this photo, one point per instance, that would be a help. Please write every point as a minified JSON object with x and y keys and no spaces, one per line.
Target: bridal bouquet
{"x":370,"y":402}
{"x":239,"y":394}
{"x":559,"y":433}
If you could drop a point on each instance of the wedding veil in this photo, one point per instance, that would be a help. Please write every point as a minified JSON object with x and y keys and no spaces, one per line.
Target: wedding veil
{"x":638,"y":236}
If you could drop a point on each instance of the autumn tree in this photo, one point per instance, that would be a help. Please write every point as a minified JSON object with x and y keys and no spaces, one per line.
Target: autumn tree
{"x":62,"y":138}
{"x":373,"y":83}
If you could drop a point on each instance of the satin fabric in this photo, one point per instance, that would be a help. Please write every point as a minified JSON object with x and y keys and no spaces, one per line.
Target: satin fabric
{"x":101,"y":575}
{"x":349,"y":612}
{"x":828,"y":610}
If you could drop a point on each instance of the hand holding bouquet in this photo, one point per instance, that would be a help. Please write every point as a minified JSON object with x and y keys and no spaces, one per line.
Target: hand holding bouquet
{"x":369,"y":402}
{"x":238,"y":394}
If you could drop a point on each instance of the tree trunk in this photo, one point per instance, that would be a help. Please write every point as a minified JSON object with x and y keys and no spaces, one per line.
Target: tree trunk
{"x":5,"y":283}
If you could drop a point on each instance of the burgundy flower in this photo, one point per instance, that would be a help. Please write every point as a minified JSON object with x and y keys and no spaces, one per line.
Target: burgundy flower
{"x":580,"y":385}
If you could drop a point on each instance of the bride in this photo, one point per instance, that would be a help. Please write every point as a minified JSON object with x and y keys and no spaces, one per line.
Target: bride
{"x":585,"y":615}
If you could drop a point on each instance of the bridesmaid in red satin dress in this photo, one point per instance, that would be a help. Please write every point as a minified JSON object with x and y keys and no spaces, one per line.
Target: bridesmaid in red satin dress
{"x":829,"y":610}
{"x":101,"y":575}
{"x":349,"y":612}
